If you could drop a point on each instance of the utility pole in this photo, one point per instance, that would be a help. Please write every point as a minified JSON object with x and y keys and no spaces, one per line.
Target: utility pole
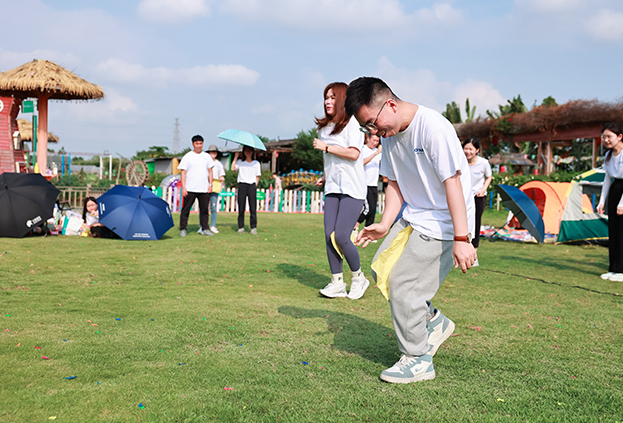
{"x":176,"y":136}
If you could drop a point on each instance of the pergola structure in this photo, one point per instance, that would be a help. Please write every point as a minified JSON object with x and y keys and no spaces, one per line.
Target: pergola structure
{"x":549,"y":127}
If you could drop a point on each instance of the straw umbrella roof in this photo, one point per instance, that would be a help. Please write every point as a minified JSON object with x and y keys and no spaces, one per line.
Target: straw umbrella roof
{"x":25,"y":131}
{"x":42,"y":77}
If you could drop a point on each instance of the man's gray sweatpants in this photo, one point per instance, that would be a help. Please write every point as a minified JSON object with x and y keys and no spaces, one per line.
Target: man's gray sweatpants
{"x":413,"y":282}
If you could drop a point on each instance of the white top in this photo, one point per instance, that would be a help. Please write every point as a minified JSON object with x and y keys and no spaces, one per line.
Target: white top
{"x":373,"y":166}
{"x":481,"y":170}
{"x":248,"y":172}
{"x":92,"y":219}
{"x":218,"y":171}
{"x":614,"y":169}
{"x":196,"y":166}
{"x":344,"y":176}
{"x":420,"y":159}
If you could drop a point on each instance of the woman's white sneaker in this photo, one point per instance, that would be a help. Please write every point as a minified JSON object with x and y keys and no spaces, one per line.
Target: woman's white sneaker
{"x":358,"y":287}
{"x":334,"y":289}
{"x":606,"y":276}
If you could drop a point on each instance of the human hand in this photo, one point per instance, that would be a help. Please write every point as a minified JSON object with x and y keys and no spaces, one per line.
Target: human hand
{"x":320,"y":181}
{"x":600,"y":209}
{"x":379,"y":149}
{"x":481,"y":193}
{"x":619,"y":210}
{"x":371,"y":233}
{"x":209,"y":188}
{"x":184,"y":192}
{"x":464,"y":255}
{"x":319,"y":144}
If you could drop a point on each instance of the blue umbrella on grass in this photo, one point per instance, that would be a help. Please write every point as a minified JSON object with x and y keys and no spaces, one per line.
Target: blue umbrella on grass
{"x":524,"y":209}
{"x":243,"y":138}
{"x":134,"y":213}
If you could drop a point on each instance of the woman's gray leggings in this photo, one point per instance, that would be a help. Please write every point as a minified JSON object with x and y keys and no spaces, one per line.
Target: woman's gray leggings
{"x":340,"y":215}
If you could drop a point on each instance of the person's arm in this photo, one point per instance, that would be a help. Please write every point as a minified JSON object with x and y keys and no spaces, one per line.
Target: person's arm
{"x":393,"y":204}
{"x":483,"y":190}
{"x":233,"y":162}
{"x":605,"y":188}
{"x":210,"y":179}
{"x":259,"y":173}
{"x":183,"y":181}
{"x":350,"y":153}
{"x":373,"y":155}
{"x":463,"y":253}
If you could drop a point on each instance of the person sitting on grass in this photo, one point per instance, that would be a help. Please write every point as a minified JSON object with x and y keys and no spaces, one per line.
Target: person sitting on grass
{"x":90,"y":215}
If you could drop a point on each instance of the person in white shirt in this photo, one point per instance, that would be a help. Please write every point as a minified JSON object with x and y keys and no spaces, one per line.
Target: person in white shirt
{"x":218,"y":182}
{"x":249,"y":172}
{"x":481,"y":178}
{"x":196,"y":179}
{"x":345,"y":190}
{"x":371,"y":165}
{"x":426,"y":168}
{"x":612,"y":137}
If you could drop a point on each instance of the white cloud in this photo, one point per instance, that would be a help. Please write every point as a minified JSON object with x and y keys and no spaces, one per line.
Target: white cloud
{"x":548,"y":6}
{"x":198,"y":76}
{"x":356,"y":16}
{"x":606,"y":25}
{"x":13,"y":59}
{"x":172,"y":11}
{"x":266,"y":109}
{"x":422,"y":87}
{"x":111,"y":109}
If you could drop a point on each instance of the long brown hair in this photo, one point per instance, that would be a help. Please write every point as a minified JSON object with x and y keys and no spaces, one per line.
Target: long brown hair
{"x":339,"y":118}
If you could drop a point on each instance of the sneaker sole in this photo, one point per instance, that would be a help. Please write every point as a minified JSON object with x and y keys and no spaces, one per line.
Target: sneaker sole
{"x":333,"y":296}
{"x":367,"y":284}
{"x":391,"y":379}
{"x":445,"y":336}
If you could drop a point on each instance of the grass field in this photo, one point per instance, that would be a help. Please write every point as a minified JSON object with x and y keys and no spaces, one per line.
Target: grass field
{"x":231,"y":328}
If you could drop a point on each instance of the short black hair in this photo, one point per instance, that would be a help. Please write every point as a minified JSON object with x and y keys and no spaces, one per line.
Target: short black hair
{"x":473,"y":141}
{"x":366,"y":91}
{"x":197,"y":138}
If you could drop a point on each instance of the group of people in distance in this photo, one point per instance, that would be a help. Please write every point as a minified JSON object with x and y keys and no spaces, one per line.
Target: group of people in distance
{"x":428,"y":171}
{"x":202,"y":178}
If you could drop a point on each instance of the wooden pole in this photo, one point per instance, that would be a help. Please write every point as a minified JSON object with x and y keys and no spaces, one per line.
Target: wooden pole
{"x":42,"y":134}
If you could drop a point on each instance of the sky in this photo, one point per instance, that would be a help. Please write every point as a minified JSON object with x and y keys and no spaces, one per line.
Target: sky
{"x":262,"y":65}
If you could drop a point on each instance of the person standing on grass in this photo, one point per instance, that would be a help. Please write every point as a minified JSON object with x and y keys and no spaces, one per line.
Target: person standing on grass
{"x":426,"y":168}
{"x":371,"y":165}
{"x":345,"y":190}
{"x":481,"y":178}
{"x":612,"y":136}
{"x":196,"y":179}
{"x":249,"y":172}
{"x":218,"y":182}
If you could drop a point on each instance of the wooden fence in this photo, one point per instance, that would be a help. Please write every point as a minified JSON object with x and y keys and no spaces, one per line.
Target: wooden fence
{"x":276,"y":201}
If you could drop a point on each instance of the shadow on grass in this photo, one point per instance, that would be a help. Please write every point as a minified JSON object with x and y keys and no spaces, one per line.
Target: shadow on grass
{"x":353,"y":334}
{"x":560,"y":264}
{"x":304,"y":275}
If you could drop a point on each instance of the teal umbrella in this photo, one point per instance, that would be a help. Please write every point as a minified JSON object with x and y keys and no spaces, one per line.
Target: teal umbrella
{"x":243,"y":138}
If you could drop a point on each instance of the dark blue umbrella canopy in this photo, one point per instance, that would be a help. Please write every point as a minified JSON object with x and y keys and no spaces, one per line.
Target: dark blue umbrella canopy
{"x":524,"y":209}
{"x":134,"y":213}
{"x":26,"y":200}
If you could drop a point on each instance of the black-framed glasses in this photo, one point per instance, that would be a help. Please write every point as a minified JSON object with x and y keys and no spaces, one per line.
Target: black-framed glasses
{"x":369,"y":127}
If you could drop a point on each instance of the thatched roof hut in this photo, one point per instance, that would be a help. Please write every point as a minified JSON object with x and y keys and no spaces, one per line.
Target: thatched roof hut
{"x":25,"y":131}
{"x":46,"y":80}
{"x":42,"y":77}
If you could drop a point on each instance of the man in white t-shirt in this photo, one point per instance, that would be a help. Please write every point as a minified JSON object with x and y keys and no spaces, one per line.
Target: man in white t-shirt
{"x":426,"y":168}
{"x":196,"y":179}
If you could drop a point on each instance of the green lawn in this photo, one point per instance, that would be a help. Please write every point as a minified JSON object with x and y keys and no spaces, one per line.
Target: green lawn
{"x":171,"y":324}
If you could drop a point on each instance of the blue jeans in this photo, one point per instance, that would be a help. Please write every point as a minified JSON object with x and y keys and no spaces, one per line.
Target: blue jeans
{"x":213,"y":207}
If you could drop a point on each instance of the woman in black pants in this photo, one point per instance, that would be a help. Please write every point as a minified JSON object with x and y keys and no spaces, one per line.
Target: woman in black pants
{"x":612,"y":137}
{"x":481,"y":178}
{"x":249,"y":172}
{"x":371,"y":165}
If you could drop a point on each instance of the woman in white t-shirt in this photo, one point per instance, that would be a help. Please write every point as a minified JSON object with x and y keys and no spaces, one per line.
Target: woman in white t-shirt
{"x":481,"y":178}
{"x":371,"y":165}
{"x":249,"y":172}
{"x":345,"y":190}
{"x":612,"y":137}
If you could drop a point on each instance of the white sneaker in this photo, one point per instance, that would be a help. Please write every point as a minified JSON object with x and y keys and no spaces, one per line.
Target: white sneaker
{"x":439,"y":329}
{"x":213,"y":229}
{"x":606,"y":276}
{"x":241,"y":230}
{"x":357,"y":288}
{"x":254,"y":231}
{"x":200,"y":230}
{"x":617,"y":277}
{"x":334,"y":289}
{"x":409,"y":369}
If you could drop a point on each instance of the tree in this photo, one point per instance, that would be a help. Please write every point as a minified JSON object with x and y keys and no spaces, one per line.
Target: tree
{"x":453,"y":113}
{"x":549,"y":102}
{"x":304,"y":153}
{"x":154,"y":151}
